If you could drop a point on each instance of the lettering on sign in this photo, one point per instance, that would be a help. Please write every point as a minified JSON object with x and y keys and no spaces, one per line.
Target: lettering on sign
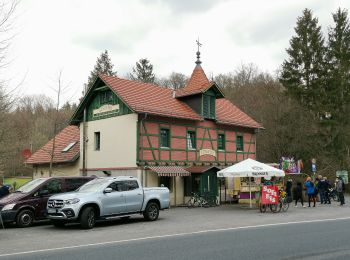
{"x":269,"y":195}
{"x":208,"y":152}
{"x":106,"y":110}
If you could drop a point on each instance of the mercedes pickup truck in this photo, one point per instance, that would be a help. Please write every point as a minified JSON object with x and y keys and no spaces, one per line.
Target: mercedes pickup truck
{"x":107,"y":198}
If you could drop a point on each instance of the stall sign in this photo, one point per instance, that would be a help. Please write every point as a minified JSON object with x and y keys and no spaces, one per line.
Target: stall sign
{"x":269,"y":195}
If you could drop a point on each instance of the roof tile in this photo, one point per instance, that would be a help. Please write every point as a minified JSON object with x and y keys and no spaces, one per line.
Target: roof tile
{"x":68,"y":135}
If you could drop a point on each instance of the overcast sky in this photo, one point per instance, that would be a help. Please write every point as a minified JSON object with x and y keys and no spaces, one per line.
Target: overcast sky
{"x":69,"y":35}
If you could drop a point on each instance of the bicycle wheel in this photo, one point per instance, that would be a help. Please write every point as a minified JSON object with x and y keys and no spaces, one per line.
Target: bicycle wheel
{"x":285,"y":205}
{"x":274,"y":208}
{"x":262,"y":207}
{"x":190,"y":203}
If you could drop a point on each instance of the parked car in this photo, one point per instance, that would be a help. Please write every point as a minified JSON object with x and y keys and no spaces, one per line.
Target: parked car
{"x":107,"y":198}
{"x":28,"y":203}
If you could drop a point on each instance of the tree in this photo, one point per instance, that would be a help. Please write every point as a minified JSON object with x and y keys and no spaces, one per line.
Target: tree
{"x":103,"y":65}
{"x":303,"y":73}
{"x":338,"y":59}
{"x":174,"y":81}
{"x":143,"y":71}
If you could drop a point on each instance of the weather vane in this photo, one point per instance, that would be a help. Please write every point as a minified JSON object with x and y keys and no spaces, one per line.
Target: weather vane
{"x":198,"y":62}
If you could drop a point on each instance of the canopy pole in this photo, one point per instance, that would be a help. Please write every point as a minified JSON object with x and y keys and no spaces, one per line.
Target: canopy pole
{"x":250,"y":193}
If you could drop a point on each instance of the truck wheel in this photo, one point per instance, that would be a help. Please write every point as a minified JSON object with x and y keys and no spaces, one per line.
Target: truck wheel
{"x":151,"y":212}
{"x":25,"y":218}
{"x":88,"y":218}
{"x":58,"y":223}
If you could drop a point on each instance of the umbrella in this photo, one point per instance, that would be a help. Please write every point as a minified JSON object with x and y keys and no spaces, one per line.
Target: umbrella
{"x":250,"y":168}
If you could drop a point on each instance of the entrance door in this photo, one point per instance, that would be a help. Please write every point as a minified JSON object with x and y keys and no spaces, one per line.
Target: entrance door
{"x":209,"y":182}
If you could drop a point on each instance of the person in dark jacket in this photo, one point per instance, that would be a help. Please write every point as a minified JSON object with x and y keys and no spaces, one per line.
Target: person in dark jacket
{"x":327,"y":187}
{"x":299,"y":195}
{"x":4,"y":190}
{"x":289,"y":185}
{"x":321,"y":186}
{"x":310,"y":187}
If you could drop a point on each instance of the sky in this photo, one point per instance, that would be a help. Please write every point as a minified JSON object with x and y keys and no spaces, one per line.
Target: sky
{"x":67,"y":36}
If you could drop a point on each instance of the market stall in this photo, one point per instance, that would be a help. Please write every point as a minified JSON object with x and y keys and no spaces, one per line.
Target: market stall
{"x":250,"y":168}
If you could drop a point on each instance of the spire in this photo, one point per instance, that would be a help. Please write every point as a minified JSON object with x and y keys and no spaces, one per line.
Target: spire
{"x":198,"y":62}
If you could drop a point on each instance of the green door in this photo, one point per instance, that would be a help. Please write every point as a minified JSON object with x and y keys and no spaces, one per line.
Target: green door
{"x":209,"y":182}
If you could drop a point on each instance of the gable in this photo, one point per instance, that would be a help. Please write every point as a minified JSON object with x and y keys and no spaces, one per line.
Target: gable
{"x":100,"y":102}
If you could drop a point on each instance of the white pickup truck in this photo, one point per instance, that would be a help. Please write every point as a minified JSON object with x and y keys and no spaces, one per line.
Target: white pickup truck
{"x":107,"y":198}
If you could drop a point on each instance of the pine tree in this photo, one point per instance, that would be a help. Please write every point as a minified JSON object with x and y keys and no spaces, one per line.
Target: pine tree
{"x":143,"y":71}
{"x":103,"y":65}
{"x":303,"y":72}
{"x":338,"y":59}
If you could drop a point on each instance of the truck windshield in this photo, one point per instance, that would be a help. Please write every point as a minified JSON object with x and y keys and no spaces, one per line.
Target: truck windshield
{"x":28,"y":187}
{"x":94,"y":185}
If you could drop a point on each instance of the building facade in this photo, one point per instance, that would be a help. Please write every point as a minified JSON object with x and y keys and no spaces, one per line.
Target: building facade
{"x":178,"y":139}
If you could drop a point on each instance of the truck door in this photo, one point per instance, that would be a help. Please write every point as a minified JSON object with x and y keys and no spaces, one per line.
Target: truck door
{"x":114,"y":202}
{"x":134,"y":196}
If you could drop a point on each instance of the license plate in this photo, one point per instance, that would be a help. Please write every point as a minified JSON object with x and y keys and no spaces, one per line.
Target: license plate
{"x":51,"y":211}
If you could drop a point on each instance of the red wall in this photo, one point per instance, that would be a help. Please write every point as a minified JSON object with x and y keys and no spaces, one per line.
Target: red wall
{"x":179,"y":128}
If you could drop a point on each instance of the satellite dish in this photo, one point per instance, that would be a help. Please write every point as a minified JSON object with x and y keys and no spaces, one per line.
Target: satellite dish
{"x":26,"y":153}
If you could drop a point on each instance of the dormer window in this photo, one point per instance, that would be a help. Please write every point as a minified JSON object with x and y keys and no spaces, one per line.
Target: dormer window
{"x":208,"y":106}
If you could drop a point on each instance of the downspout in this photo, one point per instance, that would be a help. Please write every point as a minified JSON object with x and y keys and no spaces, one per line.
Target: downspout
{"x":143,"y":179}
{"x":84,"y":143}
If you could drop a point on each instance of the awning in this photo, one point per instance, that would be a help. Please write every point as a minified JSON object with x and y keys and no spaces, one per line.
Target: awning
{"x":169,"y":171}
{"x":200,"y":168}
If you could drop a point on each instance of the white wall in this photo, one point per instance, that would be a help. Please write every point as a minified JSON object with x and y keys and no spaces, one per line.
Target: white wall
{"x":71,"y":169}
{"x":118,"y":142}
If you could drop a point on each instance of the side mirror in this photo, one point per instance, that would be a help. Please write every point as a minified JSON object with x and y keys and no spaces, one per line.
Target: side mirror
{"x":107,"y":190}
{"x":43,"y":192}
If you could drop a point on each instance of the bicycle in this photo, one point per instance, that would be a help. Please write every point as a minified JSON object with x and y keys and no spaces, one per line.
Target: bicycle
{"x":283,"y":201}
{"x":210,"y":200}
{"x":196,"y":201}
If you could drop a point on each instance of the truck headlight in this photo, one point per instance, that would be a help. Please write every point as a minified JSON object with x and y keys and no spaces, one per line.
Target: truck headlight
{"x":71,"y":201}
{"x":9,"y":206}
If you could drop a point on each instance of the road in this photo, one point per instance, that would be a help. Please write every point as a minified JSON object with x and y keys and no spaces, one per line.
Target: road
{"x":225,"y":232}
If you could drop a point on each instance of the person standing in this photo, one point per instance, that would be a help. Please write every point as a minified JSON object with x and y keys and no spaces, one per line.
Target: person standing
{"x":321,"y":187}
{"x":340,"y":190}
{"x":299,"y":195}
{"x":289,"y":185}
{"x":327,"y":187}
{"x":310,"y":187}
{"x":4,"y":190}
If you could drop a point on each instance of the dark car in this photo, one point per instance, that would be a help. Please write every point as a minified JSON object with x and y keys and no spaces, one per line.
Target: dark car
{"x":28,"y":203}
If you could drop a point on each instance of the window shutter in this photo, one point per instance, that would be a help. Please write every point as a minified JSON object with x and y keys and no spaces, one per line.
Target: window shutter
{"x":212,"y":107}
{"x":205,"y":106}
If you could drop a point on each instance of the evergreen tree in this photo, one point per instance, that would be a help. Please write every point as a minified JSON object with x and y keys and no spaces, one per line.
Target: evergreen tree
{"x":143,"y":71}
{"x":103,"y":65}
{"x":338,"y":59}
{"x":303,"y":72}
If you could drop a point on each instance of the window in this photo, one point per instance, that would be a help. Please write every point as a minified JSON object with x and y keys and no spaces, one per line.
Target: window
{"x":164,"y":138}
{"x":117,"y":186}
{"x":166,"y":182}
{"x":131,"y":185}
{"x":106,"y":97}
{"x":69,"y":146}
{"x":97,"y":141}
{"x":221,"y":142}
{"x":73,"y":184}
{"x":52,"y":187}
{"x":209,"y":106}
{"x":191,"y":140}
{"x":239,"y":143}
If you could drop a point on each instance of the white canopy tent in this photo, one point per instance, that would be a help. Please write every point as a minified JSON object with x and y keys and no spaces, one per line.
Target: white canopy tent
{"x":250,"y":168}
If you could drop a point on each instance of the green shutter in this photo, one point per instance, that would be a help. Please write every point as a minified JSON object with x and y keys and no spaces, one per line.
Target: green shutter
{"x":212,"y":107}
{"x":205,"y":106}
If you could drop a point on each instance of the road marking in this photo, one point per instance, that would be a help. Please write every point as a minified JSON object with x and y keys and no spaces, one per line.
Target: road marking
{"x":173,"y":235}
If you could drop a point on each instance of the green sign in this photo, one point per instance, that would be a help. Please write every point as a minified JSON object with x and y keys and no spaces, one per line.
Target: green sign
{"x":344,"y":175}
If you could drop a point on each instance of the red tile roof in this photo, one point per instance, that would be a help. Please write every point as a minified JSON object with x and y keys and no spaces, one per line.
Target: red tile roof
{"x":228,"y":113}
{"x":198,"y":83}
{"x":68,"y":135}
{"x":156,"y":100}
{"x":149,"y":98}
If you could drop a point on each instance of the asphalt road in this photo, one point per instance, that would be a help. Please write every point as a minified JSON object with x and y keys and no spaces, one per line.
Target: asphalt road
{"x":312,"y":240}
{"x":225,"y":232}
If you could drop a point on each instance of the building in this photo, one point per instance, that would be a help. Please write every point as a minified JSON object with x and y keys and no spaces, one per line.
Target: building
{"x":66,"y":155}
{"x":178,"y":139}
